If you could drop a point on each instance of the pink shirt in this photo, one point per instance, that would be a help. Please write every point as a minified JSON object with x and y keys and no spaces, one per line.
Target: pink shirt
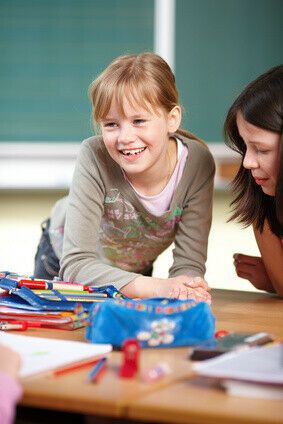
{"x":10,"y":393}
{"x":159,"y":204}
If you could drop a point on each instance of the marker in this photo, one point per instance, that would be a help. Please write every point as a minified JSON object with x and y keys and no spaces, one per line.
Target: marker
{"x":98,"y":370}
{"x":70,"y":292}
{"x":17,"y":325}
{"x":46,"y":285}
{"x":7,"y":326}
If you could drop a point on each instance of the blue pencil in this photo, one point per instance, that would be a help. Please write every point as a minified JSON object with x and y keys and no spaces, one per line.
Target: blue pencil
{"x":98,"y":370}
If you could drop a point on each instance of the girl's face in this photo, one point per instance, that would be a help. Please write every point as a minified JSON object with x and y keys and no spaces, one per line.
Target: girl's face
{"x":262,"y":154}
{"x":139,"y":141}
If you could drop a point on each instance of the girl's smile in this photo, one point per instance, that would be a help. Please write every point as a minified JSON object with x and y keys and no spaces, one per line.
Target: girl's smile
{"x":131,"y":155}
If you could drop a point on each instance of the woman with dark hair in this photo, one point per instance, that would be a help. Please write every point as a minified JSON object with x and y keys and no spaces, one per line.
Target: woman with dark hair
{"x":253,"y":127}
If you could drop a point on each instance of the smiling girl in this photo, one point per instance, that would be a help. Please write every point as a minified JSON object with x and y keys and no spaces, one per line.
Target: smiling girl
{"x":139,"y":186}
{"x":253,"y":127}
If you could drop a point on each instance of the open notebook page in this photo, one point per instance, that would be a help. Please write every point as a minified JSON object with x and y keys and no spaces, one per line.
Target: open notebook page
{"x":40,"y":355}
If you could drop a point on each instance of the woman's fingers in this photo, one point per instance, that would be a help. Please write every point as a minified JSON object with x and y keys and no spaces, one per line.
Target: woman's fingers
{"x":245,"y":268}
{"x":247,"y":259}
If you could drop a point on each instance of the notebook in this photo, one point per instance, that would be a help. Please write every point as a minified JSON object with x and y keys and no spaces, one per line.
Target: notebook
{"x":257,"y":365}
{"x":41,"y":355}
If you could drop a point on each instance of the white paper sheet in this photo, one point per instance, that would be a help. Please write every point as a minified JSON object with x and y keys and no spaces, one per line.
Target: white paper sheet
{"x":41,"y":355}
{"x":259,"y":364}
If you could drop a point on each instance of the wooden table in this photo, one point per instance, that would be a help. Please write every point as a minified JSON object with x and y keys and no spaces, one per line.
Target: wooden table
{"x":181,"y":397}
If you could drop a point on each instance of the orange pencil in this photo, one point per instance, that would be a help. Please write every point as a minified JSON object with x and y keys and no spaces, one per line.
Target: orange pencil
{"x":74,"y":367}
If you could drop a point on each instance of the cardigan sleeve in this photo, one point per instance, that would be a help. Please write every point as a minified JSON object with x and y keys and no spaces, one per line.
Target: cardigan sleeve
{"x":190,"y":251}
{"x":80,"y":261}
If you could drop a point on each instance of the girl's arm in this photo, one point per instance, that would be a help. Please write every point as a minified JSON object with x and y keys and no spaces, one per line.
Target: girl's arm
{"x":191,"y":239}
{"x":271,"y":249}
{"x":80,"y":261}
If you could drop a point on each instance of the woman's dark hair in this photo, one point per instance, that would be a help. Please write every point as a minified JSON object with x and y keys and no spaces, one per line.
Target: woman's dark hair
{"x":261,"y":104}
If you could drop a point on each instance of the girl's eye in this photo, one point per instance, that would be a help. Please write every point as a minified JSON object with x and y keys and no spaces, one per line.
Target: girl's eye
{"x":109,"y":125}
{"x":139,"y":121}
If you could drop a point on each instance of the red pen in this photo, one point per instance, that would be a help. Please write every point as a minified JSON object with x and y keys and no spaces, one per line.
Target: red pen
{"x":18,"y":325}
{"x":6,"y":326}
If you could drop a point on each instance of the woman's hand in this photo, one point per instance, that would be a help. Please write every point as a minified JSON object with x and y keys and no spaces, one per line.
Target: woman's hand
{"x":252,"y":268}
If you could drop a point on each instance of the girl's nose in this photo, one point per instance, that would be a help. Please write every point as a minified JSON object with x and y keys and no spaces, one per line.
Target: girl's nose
{"x":250,"y":160}
{"x":126,"y":134}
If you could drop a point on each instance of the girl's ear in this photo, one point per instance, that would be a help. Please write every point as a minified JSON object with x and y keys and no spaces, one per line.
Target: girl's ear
{"x":174,"y":119}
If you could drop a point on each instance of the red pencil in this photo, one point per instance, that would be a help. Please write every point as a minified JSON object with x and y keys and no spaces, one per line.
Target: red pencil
{"x":75,"y":366}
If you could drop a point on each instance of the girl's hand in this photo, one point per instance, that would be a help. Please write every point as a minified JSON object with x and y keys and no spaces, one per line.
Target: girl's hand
{"x":9,"y":361}
{"x":182,"y":287}
{"x":252,"y":268}
{"x":197,"y":283}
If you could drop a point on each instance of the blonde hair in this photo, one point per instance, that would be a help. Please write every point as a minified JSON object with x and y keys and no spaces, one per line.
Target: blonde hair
{"x":145,"y":79}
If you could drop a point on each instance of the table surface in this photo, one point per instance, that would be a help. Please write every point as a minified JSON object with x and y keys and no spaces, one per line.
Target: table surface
{"x":181,"y":397}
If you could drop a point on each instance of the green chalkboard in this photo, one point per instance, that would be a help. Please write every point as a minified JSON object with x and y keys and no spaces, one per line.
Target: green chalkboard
{"x":50,"y":51}
{"x":221,"y":45}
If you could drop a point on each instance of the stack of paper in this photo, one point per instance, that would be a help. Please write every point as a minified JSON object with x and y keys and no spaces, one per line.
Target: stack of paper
{"x":254,"y":372}
{"x":45,"y":319}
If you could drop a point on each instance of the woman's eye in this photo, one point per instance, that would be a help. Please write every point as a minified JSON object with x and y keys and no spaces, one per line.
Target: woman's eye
{"x":262,"y":152}
{"x":139,"y":121}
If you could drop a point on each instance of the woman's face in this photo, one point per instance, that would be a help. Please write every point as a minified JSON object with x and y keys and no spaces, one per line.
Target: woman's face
{"x":262,"y":154}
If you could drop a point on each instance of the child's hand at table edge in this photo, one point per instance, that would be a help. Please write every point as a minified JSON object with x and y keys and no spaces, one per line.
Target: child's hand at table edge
{"x":180,"y":287}
{"x":195,"y":288}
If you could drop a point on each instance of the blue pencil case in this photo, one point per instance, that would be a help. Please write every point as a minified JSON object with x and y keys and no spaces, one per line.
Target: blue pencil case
{"x":154,"y":322}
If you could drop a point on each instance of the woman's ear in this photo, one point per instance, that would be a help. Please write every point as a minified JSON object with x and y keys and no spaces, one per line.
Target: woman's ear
{"x":174,"y":119}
